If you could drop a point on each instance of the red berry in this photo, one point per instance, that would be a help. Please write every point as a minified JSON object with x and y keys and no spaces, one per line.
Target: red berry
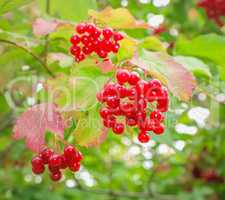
{"x":116,"y":111}
{"x":158,"y":129}
{"x":69,"y":151}
{"x":37,"y":161}
{"x":75,"y":39}
{"x":96,"y":44}
{"x":134,"y":78}
{"x":110,"y":90}
{"x":143,"y":137}
{"x":38,"y":169}
{"x":106,"y":45}
{"x":122,"y":76}
{"x":85,"y":39}
{"x":118,"y":128}
{"x":53,"y":169}
{"x":64,"y":162}
{"x":131,"y":121}
{"x":118,"y":36}
{"x":56,"y":176}
{"x":80,"y":57}
{"x":96,"y":33}
{"x":78,"y":156}
{"x":91,"y":28}
{"x":141,"y":104}
{"x":163,"y":101}
{"x":157,"y":116}
{"x":122,"y":91}
{"x":104,"y":112}
{"x":115,"y":48}
{"x":46,"y":154}
{"x":81,"y":28}
{"x":113,"y":101}
{"x":107,"y":33}
{"x":132,"y":94}
{"x":102,"y":53}
{"x":128,"y":109}
{"x":142,"y":87}
{"x":87,"y":50}
{"x":153,"y":94}
{"x":154,"y":83}
{"x":55,"y":161}
{"x":75,"y":50}
{"x":75,"y":166}
{"x":109,"y":122}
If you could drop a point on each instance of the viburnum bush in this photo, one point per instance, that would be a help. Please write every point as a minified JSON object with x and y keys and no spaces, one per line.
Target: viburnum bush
{"x":111,"y":105}
{"x":103,"y":80}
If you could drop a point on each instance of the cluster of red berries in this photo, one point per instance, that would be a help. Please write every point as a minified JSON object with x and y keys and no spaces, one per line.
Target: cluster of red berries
{"x":215,"y":9}
{"x":135,"y":99}
{"x":207,"y":175}
{"x":92,"y":39}
{"x":70,"y":158}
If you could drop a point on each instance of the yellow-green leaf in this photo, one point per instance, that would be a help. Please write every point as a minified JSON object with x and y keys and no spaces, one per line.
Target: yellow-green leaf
{"x":152,"y":43}
{"x":127,"y":49}
{"x":119,"y":18}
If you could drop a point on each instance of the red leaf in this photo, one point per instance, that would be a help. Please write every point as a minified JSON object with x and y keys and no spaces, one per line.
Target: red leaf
{"x":106,"y":66}
{"x":42,"y":27}
{"x":160,"y":65}
{"x":33,"y":124}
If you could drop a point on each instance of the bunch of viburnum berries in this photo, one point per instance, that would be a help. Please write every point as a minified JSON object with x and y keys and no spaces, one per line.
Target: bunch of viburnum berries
{"x":90,"y":39}
{"x":140,"y":102}
{"x":56,"y":163}
{"x":215,"y":9}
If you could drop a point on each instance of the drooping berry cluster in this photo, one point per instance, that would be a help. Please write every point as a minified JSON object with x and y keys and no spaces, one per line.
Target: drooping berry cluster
{"x":141,"y":102}
{"x":92,"y":39}
{"x":70,"y":158}
{"x":215,"y":9}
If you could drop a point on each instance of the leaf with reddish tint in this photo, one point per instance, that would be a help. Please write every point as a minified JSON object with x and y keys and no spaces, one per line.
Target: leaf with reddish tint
{"x":179,"y":80}
{"x":106,"y":66}
{"x":90,"y":131}
{"x":119,"y":18}
{"x":33,"y":124}
{"x":42,"y":27}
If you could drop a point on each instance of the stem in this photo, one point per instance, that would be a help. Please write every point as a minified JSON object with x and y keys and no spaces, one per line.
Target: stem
{"x":47,"y":36}
{"x":31,"y":53}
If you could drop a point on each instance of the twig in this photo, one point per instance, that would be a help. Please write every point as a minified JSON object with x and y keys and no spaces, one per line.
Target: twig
{"x":47,"y":36}
{"x":29,"y":52}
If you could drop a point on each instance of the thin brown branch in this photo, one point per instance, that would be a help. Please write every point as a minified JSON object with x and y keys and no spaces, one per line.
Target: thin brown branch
{"x":127,"y":194}
{"x":29,"y":52}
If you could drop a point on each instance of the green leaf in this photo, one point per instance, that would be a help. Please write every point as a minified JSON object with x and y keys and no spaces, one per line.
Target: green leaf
{"x":152,"y":43}
{"x":210,"y":47}
{"x":127,"y":49}
{"x":89,"y":131}
{"x":195,"y":65}
{"x":179,"y":80}
{"x":8,"y":5}
{"x":76,"y":10}
{"x":78,"y":90}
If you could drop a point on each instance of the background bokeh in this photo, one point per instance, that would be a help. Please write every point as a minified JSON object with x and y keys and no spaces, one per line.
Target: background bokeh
{"x":186,"y":163}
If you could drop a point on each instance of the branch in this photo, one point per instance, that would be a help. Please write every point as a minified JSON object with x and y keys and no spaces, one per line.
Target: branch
{"x":29,"y":52}
{"x":126,"y":194}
